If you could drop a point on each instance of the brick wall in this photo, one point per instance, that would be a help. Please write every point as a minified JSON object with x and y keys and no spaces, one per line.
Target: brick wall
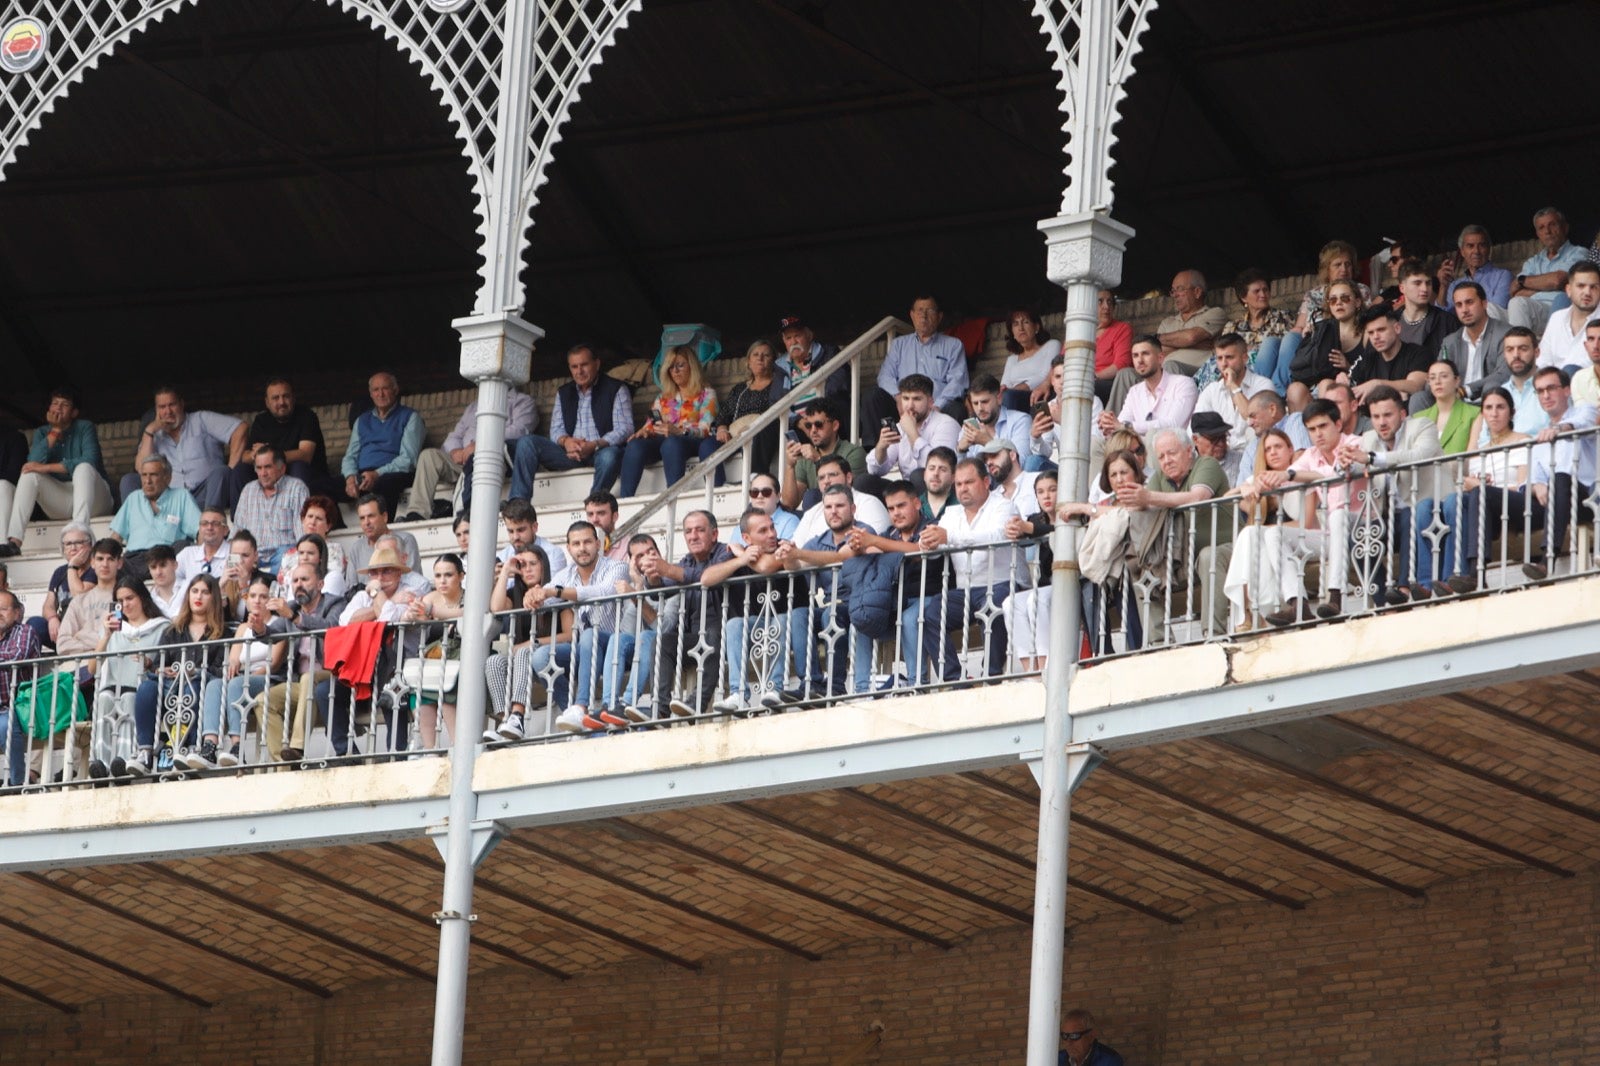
{"x":1496,"y":969}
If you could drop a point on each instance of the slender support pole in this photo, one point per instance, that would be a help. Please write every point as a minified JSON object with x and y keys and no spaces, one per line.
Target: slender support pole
{"x":1085,"y":254}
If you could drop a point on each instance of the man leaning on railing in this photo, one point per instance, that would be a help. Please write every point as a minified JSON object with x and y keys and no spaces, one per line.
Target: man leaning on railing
{"x":697,"y":637}
{"x":306,"y":614}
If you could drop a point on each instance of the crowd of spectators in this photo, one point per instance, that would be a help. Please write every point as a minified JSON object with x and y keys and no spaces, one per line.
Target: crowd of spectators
{"x":219,"y":551}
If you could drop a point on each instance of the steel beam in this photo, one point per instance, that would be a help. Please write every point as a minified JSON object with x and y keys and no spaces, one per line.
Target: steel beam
{"x":1532,"y":725}
{"x":38,"y":997}
{"x":102,"y":961}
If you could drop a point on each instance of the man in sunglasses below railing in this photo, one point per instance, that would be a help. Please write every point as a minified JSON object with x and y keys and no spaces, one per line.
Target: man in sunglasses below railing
{"x":696,"y":639}
{"x":1079,"y":1043}
{"x":308,"y":613}
{"x":985,"y":568}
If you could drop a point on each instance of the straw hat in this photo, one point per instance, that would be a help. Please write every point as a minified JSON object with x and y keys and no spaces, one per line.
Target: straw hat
{"x":384,"y":558}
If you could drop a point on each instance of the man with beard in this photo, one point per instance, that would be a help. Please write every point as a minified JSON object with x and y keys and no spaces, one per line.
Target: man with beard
{"x":1158,"y":400}
{"x":1562,"y":343}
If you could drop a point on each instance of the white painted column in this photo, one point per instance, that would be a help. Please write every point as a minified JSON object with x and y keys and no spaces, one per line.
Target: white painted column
{"x":1085,"y":255}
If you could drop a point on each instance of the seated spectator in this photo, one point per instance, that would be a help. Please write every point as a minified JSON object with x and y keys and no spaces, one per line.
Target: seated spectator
{"x":209,"y":553}
{"x":1044,"y":440}
{"x":200,"y":448}
{"x":191,"y":656}
{"x":1006,"y":476}
{"x":938,"y":484}
{"x":1475,"y":347}
{"x":385,"y":441}
{"x":1536,"y":291}
{"x":1392,"y":441}
{"x":632,"y":649}
{"x":1318,"y":463}
{"x":1260,"y":329}
{"x":763,"y":386}
{"x":1332,"y":345}
{"x":764,"y":498}
{"x":1182,"y":477}
{"x":822,"y":671}
{"x":1474,"y":260}
{"x":1440,"y":568}
{"x":13,"y":456}
{"x":682,"y":424}
{"x":270,"y":506}
{"x":1113,"y":347}
{"x":819,"y":421}
{"x":62,"y":476}
{"x":1422,"y":322}
{"x":1277,"y":535}
{"x":1450,"y":413}
{"x":296,"y":432}
{"x":1268,"y":411}
{"x":588,"y":576}
{"x":311,"y":550}
{"x":989,"y":420}
{"x":522,"y":531}
{"x":304,"y":615}
{"x":803,"y":355}
{"x":1521,"y":351}
{"x":600,"y":509}
{"x":451,"y":463}
{"x":1183,"y":337}
{"x":85,"y":618}
{"x":760,"y":623}
{"x":903,"y":444}
{"x":696,"y":637}
{"x":939,"y":357}
{"x":165,"y":592}
{"x":1028,"y":365}
{"x":918,"y":576}
{"x":372,"y":515}
{"x":1158,"y":400}
{"x":71,"y":578}
{"x":1336,"y":262}
{"x":441,"y":609}
{"x":835,"y":471}
{"x":1563,"y":467}
{"x":984,"y":568}
{"x":461,"y":527}
{"x":317,"y":517}
{"x":591,"y":424}
{"x":18,"y":641}
{"x":1210,"y":435}
{"x":160,"y":513}
{"x":1079,"y":1043}
{"x":242,"y":570}
{"x":254,"y":662}
{"x":1586,"y":382}
{"x":1389,"y":361}
{"x":1028,"y":611}
{"x":1562,"y":342}
{"x":1234,"y":384}
{"x":127,"y":646}
{"x":383,"y":596}
{"x":541,"y":642}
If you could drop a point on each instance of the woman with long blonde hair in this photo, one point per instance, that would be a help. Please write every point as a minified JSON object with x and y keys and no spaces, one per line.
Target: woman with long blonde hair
{"x":683,"y":422}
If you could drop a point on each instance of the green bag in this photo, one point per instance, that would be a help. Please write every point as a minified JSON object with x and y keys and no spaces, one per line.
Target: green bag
{"x":49,"y":704}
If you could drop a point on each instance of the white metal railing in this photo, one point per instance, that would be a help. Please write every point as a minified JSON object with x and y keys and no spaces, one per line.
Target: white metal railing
{"x":700,"y":480}
{"x":1362,"y":542}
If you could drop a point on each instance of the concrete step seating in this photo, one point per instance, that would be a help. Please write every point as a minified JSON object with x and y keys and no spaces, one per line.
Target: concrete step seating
{"x":559,"y":496}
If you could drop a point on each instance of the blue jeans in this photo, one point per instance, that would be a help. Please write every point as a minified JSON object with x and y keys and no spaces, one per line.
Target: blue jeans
{"x":1274,"y":363}
{"x":219,"y":697}
{"x":1448,"y":509}
{"x":154,"y":694}
{"x":587,"y":657}
{"x":827,"y":668}
{"x":755,"y":643}
{"x":957,"y":607}
{"x":16,"y":749}
{"x":673,"y":452}
{"x":624,"y":648}
{"x":535,"y":450}
{"x":1034,"y":464}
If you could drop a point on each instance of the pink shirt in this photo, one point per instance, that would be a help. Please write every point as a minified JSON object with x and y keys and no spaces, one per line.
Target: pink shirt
{"x":1168,"y":407}
{"x":1312,"y":462}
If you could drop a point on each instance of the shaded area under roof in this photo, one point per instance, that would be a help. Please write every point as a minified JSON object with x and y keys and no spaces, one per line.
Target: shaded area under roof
{"x":269,"y":187}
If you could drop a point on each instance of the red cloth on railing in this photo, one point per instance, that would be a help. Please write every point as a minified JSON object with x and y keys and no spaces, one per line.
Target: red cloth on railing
{"x":351,"y":653}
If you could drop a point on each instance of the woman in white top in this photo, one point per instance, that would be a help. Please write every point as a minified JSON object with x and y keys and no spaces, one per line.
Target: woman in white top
{"x":1498,"y":470}
{"x":252,"y":662}
{"x":1268,"y":569}
{"x":131,"y":633}
{"x":443,"y":605}
{"x":1028,"y":365}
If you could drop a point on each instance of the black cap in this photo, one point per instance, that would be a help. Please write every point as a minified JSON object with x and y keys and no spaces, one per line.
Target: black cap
{"x":1208,"y":424}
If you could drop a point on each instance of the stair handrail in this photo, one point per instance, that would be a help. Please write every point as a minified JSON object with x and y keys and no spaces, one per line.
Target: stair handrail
{"x":702,"y":477}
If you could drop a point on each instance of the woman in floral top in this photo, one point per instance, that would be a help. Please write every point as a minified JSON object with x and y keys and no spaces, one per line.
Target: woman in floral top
{"x":683,"y":421}
{"x":1263,"y":328}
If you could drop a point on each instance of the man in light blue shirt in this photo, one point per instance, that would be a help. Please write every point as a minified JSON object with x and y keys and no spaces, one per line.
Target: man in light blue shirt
{"x":1539,"y":287}
{"x":160,"y":513}
{"x":1472,"y":261}
{"x":937,"y":356}
{"x":990,"y":420}
{"x":1521,"y":353}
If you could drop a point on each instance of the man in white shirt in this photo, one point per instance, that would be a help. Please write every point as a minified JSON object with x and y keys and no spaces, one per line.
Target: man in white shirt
{"x":1558,"y":466}
{"x":209,"y":553}
{"x":1586,"y":382}
{"x":904,"y":445}
{"x":589,"y":576}
{"x":1229,"y":396}
{"x":1562,"y":343}
{"x":982,"y":575}
{"x":834,"y":470}
{"x":451,"y":463}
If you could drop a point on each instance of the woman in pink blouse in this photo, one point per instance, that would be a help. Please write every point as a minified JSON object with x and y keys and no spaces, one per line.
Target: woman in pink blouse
{"x":683,"y":421}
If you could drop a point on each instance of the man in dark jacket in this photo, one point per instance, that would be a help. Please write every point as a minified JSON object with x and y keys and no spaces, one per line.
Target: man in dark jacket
{"x":1078,"y":1044}
{"x":592,"y":421}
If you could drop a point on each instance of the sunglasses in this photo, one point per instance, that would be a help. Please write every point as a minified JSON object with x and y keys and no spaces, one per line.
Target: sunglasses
{"x":1079,"y":1035}
{"x":756,"y":494}
{"x":818,"y":423}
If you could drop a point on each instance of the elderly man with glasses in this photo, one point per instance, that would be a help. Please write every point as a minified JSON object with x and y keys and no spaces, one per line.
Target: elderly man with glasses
{"x":1079,"y":1046}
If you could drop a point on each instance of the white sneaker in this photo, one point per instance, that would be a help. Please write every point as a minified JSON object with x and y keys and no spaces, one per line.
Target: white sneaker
{"x":570,"y":721}
{"x":510,"y":729}
{"x":729,"y":704}
{"x":682,"y":709}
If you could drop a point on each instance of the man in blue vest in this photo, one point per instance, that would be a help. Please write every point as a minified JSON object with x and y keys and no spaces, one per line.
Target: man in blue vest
{"x":384,"y":444}
{"x":592,"y":420}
